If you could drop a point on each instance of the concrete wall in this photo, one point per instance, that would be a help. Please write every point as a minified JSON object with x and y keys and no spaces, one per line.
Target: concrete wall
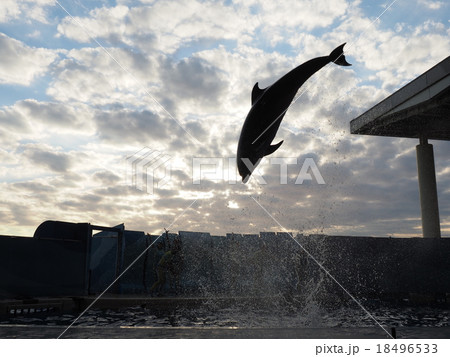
{"x":271,"y":264}
{"x":374,"y":267}
{"x":247,"y":265}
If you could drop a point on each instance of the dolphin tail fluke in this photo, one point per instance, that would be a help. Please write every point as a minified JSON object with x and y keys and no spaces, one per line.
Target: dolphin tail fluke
{"x":337,"y":56}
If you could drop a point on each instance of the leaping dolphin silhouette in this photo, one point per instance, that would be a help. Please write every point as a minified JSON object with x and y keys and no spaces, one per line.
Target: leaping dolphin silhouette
{"x":269,"y":106}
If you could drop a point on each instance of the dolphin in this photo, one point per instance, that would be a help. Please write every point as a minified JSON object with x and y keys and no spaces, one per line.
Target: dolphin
{"x":269,"y":105}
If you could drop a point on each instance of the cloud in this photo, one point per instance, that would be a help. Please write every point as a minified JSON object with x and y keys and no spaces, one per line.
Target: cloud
{"x":29,"y":9}
{"x":107,"y":178}
{"x":64,"y":157}
{"x":20,"y":64}
{"x":13,"y":118}
{"x":33,"y":187}
{"x":163,"y":26}
{"x":194,"y":81}
{"x":105,"y":22}
{"x":55,"y":123}
{"x":44,"y":156}
{"x":433,"y":5}
{"x":53,"y":115}
{"x":393,"y":57}
{"x":20,"y":214}
{"x":93,"y":76}
{"x":278,"y":17}
{"x":140,"y":127}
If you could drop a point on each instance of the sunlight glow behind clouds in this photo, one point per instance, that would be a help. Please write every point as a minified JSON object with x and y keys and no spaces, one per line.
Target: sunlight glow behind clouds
{"x":63,"y":159}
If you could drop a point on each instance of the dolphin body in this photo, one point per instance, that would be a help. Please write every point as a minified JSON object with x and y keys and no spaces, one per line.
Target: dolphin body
{"x":269,"y":106}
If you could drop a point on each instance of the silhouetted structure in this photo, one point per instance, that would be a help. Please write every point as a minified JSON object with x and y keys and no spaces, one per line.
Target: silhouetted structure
{"x":420,"y":110}
{"x":66,"y":259}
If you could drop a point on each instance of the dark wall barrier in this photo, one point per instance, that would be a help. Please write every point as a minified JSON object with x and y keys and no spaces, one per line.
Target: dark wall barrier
{"x":103,"y":262}
{"x":41,"y":267}
{"x":274,"y":264}
{"x":65,"y":259}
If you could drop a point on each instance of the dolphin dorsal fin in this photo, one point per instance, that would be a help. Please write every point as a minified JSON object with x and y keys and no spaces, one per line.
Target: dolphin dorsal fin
{"x":256,"y":93}
{"x":272,"y":148}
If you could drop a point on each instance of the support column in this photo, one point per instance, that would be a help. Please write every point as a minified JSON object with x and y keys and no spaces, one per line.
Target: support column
{"x":427,"y":189}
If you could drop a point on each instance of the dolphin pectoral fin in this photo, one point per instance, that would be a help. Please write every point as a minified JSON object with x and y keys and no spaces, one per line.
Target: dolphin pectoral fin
{"x":256,"y":93}
{"x":337,"y":56}
{"x":272,"y":148}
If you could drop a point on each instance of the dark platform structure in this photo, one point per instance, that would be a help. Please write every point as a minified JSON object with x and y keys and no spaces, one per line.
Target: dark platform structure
{"x":420,"y":110}
{"x":58,"y":260}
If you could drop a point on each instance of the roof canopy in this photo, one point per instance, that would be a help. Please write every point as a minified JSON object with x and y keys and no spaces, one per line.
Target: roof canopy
{"x":421,"y":109}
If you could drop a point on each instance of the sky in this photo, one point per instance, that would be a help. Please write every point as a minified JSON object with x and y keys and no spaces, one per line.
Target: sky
{"x":130,"y":112}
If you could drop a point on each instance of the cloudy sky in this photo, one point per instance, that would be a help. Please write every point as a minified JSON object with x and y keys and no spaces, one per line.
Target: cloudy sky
{"x":87,"y":87}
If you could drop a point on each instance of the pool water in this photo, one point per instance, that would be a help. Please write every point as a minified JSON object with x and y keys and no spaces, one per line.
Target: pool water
{"x":248,"y":316}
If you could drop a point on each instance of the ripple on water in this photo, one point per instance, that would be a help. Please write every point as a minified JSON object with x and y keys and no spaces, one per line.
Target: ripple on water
{"x":247,"y":316}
